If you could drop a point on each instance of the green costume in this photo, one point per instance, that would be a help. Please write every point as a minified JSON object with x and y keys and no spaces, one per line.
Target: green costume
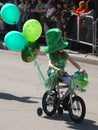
{"x":54,"y":41}
{"x":54,"y":44}
{"x":60,"y":61}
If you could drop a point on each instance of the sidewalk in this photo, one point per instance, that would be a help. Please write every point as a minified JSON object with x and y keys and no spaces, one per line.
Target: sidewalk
{"x":87,"y":58}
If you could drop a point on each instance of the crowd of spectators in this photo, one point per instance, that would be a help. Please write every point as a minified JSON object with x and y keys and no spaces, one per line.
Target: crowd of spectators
{"x":51,"y":13}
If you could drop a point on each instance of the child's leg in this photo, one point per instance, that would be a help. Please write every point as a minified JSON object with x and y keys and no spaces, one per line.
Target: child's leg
{"x":66,"y":80}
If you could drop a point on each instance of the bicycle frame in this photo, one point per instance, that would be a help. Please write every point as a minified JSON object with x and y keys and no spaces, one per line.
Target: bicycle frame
{"x":70,"y":91}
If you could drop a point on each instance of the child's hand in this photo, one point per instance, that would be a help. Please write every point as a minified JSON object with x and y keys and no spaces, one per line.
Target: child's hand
{"x":60,"y":71}
{"x":82,"y":71}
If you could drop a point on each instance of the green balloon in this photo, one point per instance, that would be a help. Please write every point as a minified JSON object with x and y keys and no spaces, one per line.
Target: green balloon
{"x":15,"y":40}
{"x":10,"y":13}
{"x":30,"y":52}
{"x":32,"y":30}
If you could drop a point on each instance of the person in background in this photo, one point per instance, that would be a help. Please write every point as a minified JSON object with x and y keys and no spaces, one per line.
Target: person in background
{"x":46,"y":18}
{"x":88,"y":19}
{"x":50,"y":10}
{"x":91,"y":10}
{"x":67,"y":21}
{"x":82,"y":8}
{"x":21,"y":8}
{"x":56,"y":18}
{"x":30,"y":10}
{"x":25,"y":13}
{"x":38,"y":10}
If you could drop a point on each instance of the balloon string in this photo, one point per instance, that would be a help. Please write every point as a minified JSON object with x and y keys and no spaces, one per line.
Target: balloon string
{"x":39,"y":70}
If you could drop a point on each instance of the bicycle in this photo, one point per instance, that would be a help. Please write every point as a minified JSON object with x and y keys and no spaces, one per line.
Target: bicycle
{"x":56,"y":99}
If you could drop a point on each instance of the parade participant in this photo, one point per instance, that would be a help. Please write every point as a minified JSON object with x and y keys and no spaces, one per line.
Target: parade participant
{"x":57,"y":54}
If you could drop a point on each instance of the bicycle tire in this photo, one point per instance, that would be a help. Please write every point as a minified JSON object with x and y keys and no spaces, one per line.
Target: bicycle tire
{"x":79,"y":101}
{"x":45,"y":104}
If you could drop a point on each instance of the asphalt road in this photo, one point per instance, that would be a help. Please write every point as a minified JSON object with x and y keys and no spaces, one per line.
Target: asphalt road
{"x":21,"y":90}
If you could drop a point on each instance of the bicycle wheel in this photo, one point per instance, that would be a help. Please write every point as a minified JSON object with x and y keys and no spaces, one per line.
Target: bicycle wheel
{"x":77,"y":109}
{"x":49,"y":103}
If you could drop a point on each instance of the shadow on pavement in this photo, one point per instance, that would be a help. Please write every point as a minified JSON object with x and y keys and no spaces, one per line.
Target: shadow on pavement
{"x":86,"y":124}
{"x":7,"y":96}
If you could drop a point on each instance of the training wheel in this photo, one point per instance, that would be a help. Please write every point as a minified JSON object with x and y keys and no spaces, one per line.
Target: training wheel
{"x":39,"y":111}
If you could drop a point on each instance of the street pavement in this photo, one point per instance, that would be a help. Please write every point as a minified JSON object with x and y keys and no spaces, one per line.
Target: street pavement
{"x":21,"y":91}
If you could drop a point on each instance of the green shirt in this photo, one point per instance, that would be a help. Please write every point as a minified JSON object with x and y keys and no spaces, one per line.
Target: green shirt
{"x":60,"y":60}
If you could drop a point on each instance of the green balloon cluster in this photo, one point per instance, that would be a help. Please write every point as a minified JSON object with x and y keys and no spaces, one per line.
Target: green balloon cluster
{"x":21,"y":41}
{"x":16,"y":41}
{"x":32,"y":30}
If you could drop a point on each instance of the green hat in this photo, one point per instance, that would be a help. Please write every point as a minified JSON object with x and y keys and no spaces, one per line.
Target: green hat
{"x":54,"y":41}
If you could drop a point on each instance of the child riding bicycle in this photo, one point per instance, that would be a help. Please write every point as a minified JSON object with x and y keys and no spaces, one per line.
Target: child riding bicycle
{"x":58,"y":56}
{"x":62,"y":96}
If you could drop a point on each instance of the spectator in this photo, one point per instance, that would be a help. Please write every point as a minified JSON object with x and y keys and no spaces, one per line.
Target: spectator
{"x":50,"y":12}
{"x":88,"y":19}
{"x":63,"y":16}
{"x":21,"y":8}
{"x":67,"y":21}
{"x":21,"y":5}
{"x":51,"y":9}
{"x":38,"y":10}
{"x":56,"y":18}
{"x":25,"y":13}
{"x":91,"y":10}
{"x":82,"y":8}
{"x":30,"y":10}
{"x":46,"y":18}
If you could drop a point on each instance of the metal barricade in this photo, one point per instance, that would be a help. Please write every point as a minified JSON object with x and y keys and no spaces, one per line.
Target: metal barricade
{"x":86,"y":28}
{"x":96,"y":36}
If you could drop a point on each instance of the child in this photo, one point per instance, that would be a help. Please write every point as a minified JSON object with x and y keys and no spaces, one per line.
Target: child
{"x":57,"y":55}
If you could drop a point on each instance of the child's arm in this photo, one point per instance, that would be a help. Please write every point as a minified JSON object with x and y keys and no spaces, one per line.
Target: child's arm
{"x":54,"y":67}
{"x":76,"y":64}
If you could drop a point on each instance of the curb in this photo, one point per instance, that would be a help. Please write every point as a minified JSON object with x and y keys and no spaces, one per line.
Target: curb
{"x":86,"y":58}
